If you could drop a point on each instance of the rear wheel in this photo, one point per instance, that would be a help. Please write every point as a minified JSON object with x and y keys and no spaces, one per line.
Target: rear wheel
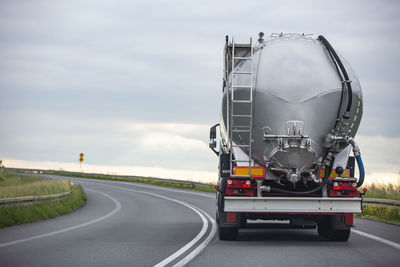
{"x":323,"y":229}
{"x":227,"y":233}
{"x":339,"y":235}
{"x":243,"y":220}
{"x":327,"y":229}
{"x":224,"y":233}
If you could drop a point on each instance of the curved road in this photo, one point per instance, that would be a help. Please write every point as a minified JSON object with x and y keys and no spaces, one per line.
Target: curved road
{"x":128,"y":224}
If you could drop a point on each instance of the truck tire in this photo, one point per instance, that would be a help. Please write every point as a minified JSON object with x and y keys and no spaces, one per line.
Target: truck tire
{"x":224,"y":233}
{"x":243,"y":220}
{"x":328,"y":229}
{"x":339,"y":235}
{"x":323,"y":229}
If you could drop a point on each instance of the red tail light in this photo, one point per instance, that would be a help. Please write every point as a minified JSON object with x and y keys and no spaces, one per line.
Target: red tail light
{"x":233,"y":183}
{"x":344,"y":186}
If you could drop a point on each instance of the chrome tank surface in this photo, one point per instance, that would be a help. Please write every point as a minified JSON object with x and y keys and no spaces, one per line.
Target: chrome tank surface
{"x":297,"y":95}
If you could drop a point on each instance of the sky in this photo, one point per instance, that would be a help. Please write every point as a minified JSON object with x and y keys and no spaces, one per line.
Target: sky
{"x":135,"y":85}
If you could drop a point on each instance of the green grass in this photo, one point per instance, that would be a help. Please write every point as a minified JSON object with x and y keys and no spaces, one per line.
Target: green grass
{"x":46,"y":209}
{"x":191,"y":186}
{"x":381,"y":213}
{"x":12,"y":185}
{"x":383,"y":191}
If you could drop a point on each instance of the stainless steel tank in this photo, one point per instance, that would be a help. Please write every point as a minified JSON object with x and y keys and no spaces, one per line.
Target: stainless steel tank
{"x":297,"y":96}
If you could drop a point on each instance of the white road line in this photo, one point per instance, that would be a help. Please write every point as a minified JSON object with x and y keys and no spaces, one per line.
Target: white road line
{"x":115,"y":210}
{"x":199,"y":236}
{"x":200,"y":247}
{"x":191,"y":243}
{"x":377,"y":238}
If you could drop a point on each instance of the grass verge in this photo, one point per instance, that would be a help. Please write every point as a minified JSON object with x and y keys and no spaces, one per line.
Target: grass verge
{"x":191,"y":186}
{"x":383,"y":191}
{"x":380,"y":213}
{"x":13,"y":185}
{"x":46,"y":209}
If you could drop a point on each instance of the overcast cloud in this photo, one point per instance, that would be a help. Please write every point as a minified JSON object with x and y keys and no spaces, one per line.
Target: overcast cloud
{"x":138,"y":83}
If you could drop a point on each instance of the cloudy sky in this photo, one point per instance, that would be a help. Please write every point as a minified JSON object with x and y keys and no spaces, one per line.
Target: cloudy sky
{"x":135,"y":85}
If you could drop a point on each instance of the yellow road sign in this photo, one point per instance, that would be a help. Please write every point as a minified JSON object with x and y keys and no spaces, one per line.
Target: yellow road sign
{"x":80,"y":159}
{"x":81,"y":155}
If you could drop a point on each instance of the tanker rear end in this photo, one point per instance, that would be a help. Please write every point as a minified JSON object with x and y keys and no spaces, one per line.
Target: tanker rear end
{"x":291,"y":107}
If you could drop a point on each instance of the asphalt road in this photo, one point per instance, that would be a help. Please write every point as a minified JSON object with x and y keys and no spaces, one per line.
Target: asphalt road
{"x":128,"y":224}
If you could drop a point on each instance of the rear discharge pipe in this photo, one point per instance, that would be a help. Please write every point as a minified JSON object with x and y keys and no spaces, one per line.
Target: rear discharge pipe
{"x":328,"y":169}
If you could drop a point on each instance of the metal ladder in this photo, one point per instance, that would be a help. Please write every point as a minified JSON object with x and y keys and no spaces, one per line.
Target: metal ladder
{"x":241,"y":52}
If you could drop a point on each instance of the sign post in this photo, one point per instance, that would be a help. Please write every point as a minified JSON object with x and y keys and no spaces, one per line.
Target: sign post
{"x":81,"y":155}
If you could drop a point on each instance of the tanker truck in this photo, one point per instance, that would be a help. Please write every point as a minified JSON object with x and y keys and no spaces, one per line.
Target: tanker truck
{"x":291,"y":106}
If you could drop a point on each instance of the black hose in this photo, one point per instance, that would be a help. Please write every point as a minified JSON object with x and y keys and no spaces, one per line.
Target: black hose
{"x":345,"y":78}
{"x":328,"y":170}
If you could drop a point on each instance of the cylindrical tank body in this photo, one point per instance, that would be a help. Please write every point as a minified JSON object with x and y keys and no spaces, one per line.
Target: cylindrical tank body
{"x":297,"y":91}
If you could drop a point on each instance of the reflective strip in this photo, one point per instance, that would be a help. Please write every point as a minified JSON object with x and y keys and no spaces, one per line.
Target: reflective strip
{"x":346,"y":173}
{"x":255,"y":171}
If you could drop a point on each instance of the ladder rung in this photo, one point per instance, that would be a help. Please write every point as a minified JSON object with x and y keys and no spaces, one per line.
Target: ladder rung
{"x":241,"y":131}
{"x":241,"y":126}
{"x":243,"y":72}
{"x":241,"y":160}
{"x":241,"y":45}
{"x":241,"y":86}
{"x":241,"y":145}
{"x":244,"y":58}
{"x":241,"y":116}
{"x":242,"y":101}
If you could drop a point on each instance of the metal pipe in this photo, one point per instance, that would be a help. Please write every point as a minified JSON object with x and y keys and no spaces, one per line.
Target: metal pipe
{"x":357,"y":155}
{"x":328,"y":169}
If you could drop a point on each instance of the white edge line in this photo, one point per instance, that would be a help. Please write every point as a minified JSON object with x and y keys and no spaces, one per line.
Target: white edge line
{"x":186,"y":247}
{"x":377,"y":238}
{"x":200,"y":247}
{"x":115,"y":210}
{"x":191,"y":243}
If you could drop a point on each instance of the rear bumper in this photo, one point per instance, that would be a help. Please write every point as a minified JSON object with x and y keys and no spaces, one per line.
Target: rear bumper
{"x":293,"y":205}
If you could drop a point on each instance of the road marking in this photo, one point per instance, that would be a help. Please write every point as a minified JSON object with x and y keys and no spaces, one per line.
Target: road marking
{"x":202,"y":246}
{"x":198,"y":237}
{"x":191,"y":243}
{"x":115,"y":210}
{"x":377,"y":238}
